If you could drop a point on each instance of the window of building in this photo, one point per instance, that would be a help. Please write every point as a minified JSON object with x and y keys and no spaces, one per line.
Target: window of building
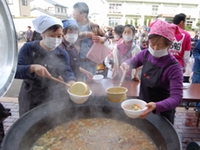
{"x":115,"y":8}
{"x":170,"y":9}
{"x":114,"y":21}
{"x":58,"y":9}
{"x":154,"y":9}
{"x":10,"y":2}
{"x":189,"y":23}
{"x":24,"y":2}
{"x":189,"y":10}
{"x":133,"y":8}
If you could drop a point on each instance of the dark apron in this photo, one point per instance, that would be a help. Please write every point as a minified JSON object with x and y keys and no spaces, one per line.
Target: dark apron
{"x":75,"y":63}
{"x":150,"y":89}
{"x":37,"y":91}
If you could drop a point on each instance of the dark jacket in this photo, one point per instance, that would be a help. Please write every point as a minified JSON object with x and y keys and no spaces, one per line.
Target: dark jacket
{"x":74,"y":57}
{"x":36,"y":90}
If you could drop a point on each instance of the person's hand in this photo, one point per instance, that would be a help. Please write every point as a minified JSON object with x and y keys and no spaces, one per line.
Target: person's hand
{"x":89,"y":75}
{"x":124,"y":67}
{"x":70,"y":82}
{"x":114,"y":73}
{"x":40,"y":71}
{"x":150,"y":107}
{"x":136,"y":78}
{"x":60,"y":78}
{"x":90,"y":35}
{"x":98,"y":39}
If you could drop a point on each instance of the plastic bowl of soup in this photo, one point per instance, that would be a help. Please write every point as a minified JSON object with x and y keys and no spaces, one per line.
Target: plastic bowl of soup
{"x":79,"y":99}
{"x":98,"y":78}
{"x":133,"y":107}
{"x":116,"y":94}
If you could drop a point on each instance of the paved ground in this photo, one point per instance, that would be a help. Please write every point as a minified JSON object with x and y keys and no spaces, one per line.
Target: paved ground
{"x":185,"y":125}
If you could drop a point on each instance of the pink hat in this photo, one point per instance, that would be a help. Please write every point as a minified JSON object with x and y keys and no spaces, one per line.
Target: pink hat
{"x":164,"y":29}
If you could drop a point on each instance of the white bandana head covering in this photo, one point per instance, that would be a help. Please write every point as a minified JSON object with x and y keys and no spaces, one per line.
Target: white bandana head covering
{"x":43,"y":22}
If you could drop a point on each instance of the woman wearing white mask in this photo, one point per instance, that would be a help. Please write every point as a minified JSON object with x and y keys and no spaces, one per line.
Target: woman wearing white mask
{"x":39,"y":60}
{"x":162,"y":75}
{"x":126,"y":50}
{"x":70,"y":36}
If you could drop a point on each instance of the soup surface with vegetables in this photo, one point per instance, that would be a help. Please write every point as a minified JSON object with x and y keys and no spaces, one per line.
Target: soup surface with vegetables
{"x":94,"y":134}
{"x":132,"y":107}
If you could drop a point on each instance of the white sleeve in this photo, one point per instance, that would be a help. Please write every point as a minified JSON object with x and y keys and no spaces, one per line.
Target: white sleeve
{"x":186,"y":57}
{"x":107,"y":62}
{"x":135,"y":51}
{"x":115,"y":55}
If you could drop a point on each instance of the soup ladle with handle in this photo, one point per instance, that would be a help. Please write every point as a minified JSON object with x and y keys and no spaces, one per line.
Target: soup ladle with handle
{"x":59,"y":81}
{"x":122,"y":78}
{"x":77,"y":88}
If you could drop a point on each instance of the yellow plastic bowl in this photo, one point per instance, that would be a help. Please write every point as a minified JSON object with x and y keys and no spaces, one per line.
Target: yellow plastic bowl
{"x":79,"y":88}
{"x":116,"y":94}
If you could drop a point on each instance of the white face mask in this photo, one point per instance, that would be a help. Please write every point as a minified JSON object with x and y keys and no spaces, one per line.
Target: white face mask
{"x":158,"y":53}
{"x":71,"y":37}
{"x":51,"y":42}
{"x":127,"y":38}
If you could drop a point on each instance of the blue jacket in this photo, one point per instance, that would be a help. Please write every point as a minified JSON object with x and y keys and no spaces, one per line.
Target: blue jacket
{"x":196,"y":55}
{"x":26,"y":59}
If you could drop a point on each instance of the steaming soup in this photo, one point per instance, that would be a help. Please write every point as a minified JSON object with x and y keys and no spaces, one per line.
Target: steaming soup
{"x":95,"y":134}
{"x":134,"y":107}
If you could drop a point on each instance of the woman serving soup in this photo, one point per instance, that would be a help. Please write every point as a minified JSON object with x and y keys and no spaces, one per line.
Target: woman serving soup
{"x":39,"y":60}
{"x":162,"y":76}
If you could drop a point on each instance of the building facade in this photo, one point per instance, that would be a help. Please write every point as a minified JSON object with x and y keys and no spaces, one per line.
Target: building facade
{"x":19,"y":8}
{"x":48,"y":7}
{"x":140,"y":13}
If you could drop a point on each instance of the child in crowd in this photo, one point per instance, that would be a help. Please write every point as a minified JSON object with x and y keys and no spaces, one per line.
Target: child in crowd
{"x":126,"y":50}
{"x":71,"y":32}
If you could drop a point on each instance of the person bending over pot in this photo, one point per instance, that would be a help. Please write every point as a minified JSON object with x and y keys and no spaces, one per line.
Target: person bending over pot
{"x":162,"y":75}
{"x":39,"y":60}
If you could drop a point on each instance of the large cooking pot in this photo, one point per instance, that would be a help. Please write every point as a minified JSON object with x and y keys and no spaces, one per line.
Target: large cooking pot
{"x":8,"y":48}
{"x":26,"y":130}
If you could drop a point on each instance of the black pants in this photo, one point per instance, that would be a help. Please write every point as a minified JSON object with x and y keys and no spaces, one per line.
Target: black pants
{"x":169,"y":115}
{"x":186,"y":79}
{"x":2,"y":133}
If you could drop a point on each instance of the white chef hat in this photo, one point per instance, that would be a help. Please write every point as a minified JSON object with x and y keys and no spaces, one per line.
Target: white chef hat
{"x":43,"y":22}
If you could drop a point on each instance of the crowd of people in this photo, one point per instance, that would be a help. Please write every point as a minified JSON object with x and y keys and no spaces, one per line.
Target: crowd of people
{"x":156,"y":56}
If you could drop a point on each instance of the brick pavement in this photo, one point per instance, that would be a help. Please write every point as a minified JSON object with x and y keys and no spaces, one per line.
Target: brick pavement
{"x":185,"y":125}
{"x":185,"y":121}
